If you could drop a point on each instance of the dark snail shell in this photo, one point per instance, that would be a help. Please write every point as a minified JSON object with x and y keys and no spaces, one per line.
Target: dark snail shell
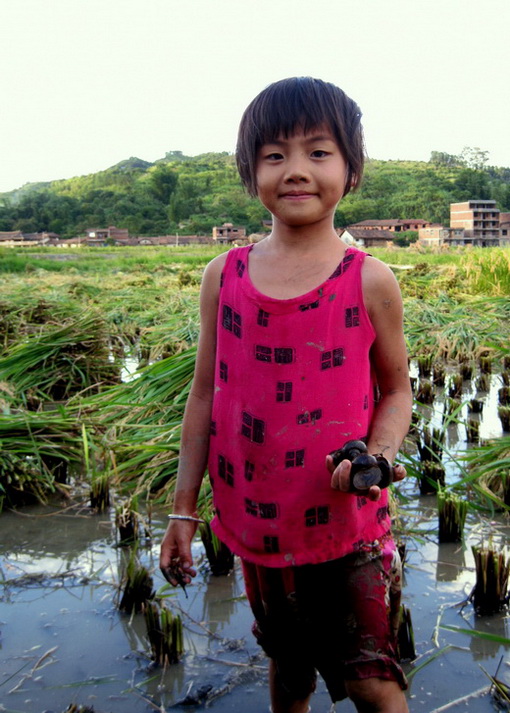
{"x":349,"y":451}
{"x":366,"y":469}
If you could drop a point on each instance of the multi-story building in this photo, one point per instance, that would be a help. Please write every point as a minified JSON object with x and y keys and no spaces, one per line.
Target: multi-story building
{"x":504,"y":228}
{"x":437,"y":235}
{"x":480,"y":220}
{"x":228,"y":233}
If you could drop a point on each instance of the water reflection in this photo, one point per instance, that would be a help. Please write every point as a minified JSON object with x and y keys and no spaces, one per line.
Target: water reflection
{"x":220,"y":599}
{"x":451,"y":561}
{"x":495,"y":625}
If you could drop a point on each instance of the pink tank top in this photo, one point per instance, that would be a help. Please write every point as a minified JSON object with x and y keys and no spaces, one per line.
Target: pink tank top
{"x":293,"y":382}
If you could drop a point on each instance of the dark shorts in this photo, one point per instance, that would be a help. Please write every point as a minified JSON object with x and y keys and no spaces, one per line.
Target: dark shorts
{"x":339,"y":618}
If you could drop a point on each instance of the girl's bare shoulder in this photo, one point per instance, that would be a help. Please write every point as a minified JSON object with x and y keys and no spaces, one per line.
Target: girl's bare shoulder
{"x":213,"y":270}
{"x":380,"y":286}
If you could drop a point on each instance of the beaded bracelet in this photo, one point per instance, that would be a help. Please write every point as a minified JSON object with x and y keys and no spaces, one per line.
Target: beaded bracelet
{"x":190,"y":518}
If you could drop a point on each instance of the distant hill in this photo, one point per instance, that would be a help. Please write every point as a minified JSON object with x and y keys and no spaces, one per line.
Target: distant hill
{"x":179,"y":193}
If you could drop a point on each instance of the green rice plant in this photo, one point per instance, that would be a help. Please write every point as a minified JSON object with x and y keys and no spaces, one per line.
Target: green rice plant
{"x":466,"y":369}
{"x":452,"y":408}
{"x":455,"y":387}
{"x":425,"y":392}
{"x":487,"y":272}
{"x":485,"y":365}
{"x":487,"y":473}
{"x":99,"y":481}
{"x":452,"y":511}
{"x":431,"y":452}
{"x":405,"y":646}
{"x":472,"y":430}
{"x":219,"y":556}
{"x":136,"y":585}
{"x":456,"y":328}
{"x":127,"y":521}
{"x":32,"y":447}
{"x":141,"y":422}
{"x":438,"y":374}
{"x":492,"y":570}
{"x":504,"y":396}
{"x":424,"y":365}
{"x":504,"y":417}
{"x":475,"y":406}
{"x":165,"y":634}
{"x":60,"y":361}
{"x":483,"y":382}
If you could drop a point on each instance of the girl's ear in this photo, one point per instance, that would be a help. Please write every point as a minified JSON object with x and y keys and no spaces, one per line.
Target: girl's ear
{"x":351,"y":181}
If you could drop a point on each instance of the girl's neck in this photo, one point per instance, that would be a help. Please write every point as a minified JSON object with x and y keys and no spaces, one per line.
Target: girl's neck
{"x":284,"y":267}
{"x":302,"y":240}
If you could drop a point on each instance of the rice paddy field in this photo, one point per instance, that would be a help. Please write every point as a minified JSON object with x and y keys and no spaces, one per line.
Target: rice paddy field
{"x":97,"y":350}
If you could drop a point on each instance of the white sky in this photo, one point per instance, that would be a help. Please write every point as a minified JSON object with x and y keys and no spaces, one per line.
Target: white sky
{"x":87,"y":83}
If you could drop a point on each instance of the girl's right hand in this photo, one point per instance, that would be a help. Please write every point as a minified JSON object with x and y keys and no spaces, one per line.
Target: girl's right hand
{"x":175,"y":560}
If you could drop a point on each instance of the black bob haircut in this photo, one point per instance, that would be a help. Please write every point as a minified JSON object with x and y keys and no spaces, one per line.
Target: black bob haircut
{"x":304,"y":103}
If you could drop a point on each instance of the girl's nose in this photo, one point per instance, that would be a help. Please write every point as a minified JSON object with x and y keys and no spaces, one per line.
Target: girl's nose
{"x":296,"y":170}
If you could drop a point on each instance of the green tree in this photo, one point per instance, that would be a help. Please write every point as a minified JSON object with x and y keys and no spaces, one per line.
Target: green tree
{"x":162,"y":181}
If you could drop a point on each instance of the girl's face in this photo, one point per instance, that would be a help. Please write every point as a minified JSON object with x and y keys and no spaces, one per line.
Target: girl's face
{"x":301,"y":178}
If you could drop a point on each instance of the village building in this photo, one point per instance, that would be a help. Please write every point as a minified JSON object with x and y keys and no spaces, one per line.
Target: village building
{"x":504,"y":229}
{"x":393,"y":225}
{"x":102,"y":236}
{"x":437,"y":235}
{"x":479,"y":219}
{"x":229,"y":233}
{"x":366,"y":237}
{"x":15,"y":238}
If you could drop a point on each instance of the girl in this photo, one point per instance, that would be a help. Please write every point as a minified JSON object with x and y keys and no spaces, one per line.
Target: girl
{"x":301,"y":348}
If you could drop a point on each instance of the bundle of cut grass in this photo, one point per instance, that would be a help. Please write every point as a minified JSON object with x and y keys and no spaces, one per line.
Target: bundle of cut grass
{"x":456,"y":328}
{"x":405,"y":640}
{"x":455,"y":387}
{"x":60,"y":361}
{"x":425,"y":392}
{"x":164,"y":631}
{"x":452,"y":512}
{"x":492,"y":569}
{"x":432,"y":468}
{"x":35,"y":450}
{"x":504,"y":417}
{"x":219,"y":556}
{"x":489,"y":468}
{"x":475,"y":406}
{"x":127,"y":520}
{"x":466,"y":369}
{"x":424,"y":365}
{"x":438,"y":374}
{"x":100,"y":492}
{"x":483,"y":382}
{"x":141,"y":422}
{"x":137,"y":586}
{"x":504,"y":396}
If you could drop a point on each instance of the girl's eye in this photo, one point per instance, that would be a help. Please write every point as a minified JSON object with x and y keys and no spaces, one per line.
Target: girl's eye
{"x":274,"y":156}
{"x":319,"y":153}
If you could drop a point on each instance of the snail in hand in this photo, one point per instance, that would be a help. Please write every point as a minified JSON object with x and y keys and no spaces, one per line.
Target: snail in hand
{"x":366,"y":469}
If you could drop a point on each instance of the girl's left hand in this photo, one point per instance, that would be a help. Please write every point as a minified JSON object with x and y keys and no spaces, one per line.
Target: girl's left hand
{"x":341,"y":479}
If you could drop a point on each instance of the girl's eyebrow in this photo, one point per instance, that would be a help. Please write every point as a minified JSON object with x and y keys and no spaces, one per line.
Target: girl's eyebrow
{"x":309,"y":139}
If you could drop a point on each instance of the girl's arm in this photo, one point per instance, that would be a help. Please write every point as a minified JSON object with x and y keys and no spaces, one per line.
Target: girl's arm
{"x":392,"y":415}
{"x":175,"y":556}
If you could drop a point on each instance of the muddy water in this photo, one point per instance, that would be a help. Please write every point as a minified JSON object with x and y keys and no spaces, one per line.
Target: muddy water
{"x":62,"y":639}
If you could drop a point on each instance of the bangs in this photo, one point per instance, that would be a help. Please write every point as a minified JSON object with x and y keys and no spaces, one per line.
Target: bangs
{"x":296,"y":105}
